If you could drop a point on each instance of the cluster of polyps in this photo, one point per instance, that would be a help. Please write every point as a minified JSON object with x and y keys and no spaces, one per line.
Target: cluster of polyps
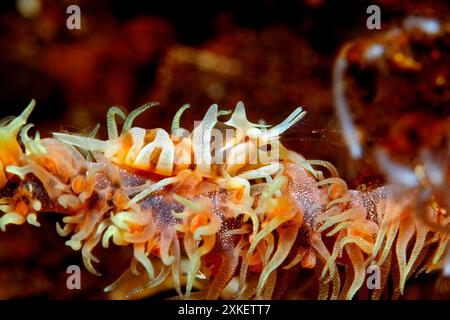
{"x":235,"y":230}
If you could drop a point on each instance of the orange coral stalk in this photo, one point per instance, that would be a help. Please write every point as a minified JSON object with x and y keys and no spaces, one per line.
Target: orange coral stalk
{"x":233,"y":228}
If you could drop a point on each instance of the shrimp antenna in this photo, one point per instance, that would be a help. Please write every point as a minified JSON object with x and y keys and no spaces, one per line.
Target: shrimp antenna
{"x":343,"y":113}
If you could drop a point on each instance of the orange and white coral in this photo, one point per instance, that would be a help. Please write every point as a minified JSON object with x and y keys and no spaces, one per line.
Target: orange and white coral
{"x":236,"y":218}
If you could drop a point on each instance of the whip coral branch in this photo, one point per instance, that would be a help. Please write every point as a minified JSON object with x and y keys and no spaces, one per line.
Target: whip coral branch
{"x":215,"y":229}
